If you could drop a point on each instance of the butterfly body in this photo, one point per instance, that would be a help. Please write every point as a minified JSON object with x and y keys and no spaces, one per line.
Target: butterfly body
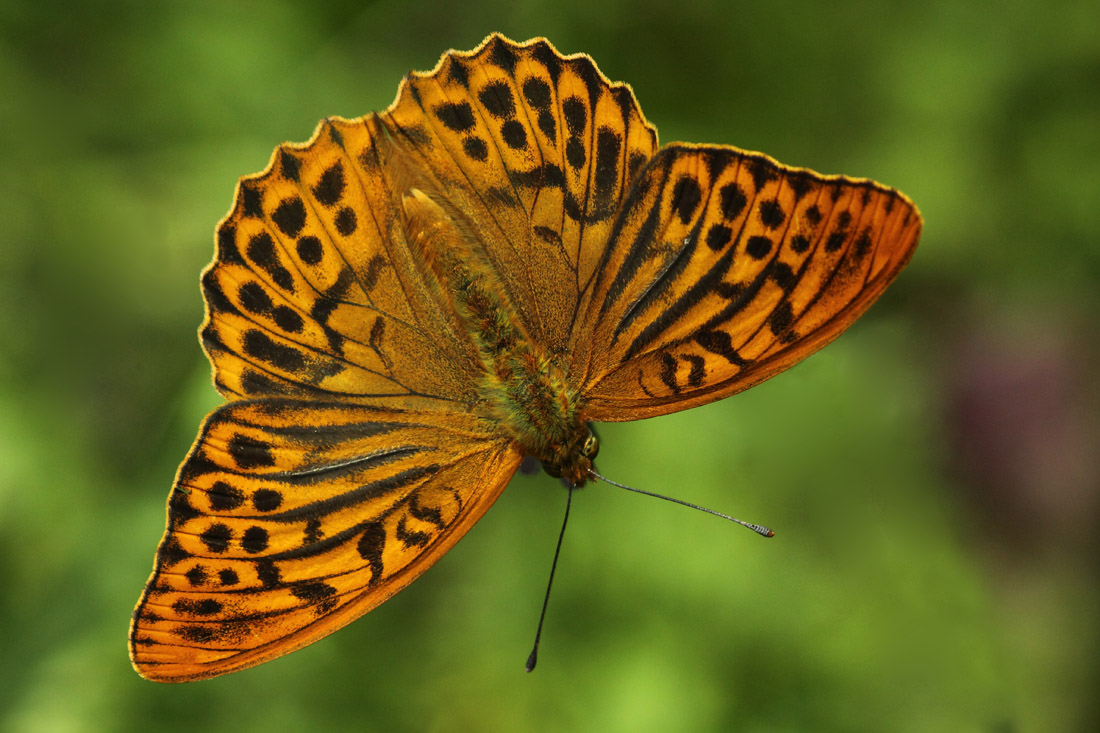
{"x":402,"y":308}
{"x":523,"y":389}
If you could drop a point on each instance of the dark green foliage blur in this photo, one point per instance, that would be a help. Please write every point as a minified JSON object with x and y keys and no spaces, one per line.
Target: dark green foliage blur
{"x":932,"y":476}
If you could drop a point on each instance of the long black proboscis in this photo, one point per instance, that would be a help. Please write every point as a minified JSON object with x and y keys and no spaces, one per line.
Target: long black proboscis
{"x":533,"y":658}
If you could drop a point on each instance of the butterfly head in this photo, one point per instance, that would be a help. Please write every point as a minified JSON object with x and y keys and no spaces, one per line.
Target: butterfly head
{"x":573,"y":460}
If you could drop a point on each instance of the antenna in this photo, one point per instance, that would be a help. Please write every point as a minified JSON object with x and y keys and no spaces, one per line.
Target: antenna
{"x":758,"y":528}
{"x":533,"y":658}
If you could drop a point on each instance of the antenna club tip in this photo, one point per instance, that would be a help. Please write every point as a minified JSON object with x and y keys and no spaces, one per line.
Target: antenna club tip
{"x":770,"y":534}
{"x":531,"y":662}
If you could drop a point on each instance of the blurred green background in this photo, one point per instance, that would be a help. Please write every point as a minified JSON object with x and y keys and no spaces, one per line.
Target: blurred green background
{"x":932,"y":476}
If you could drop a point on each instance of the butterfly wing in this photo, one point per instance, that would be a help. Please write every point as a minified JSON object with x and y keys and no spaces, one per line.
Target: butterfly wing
{"x":537,"y":149}
{"x":314,"y":293}
{"x":354,"y":455}
{"x":725,"y":268}
{"x":290,"y":519}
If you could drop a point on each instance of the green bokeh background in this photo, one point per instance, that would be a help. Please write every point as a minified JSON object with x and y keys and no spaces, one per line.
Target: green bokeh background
{"x":932,"y":476}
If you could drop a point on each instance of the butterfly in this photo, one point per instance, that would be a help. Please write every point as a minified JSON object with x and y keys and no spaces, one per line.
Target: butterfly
{"x":404,"y":307}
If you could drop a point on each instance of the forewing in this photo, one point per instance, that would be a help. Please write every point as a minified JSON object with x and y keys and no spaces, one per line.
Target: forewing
{"x":289,"y":520}
{"x":313,"y":292}
{"x":726,"y":268}
{"x":538,"y":150}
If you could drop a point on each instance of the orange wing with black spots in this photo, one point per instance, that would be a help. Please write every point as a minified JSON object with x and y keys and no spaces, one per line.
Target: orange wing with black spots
{"x":290,"y":519}
{"x":726,"y":268}
{"x":312,"y":292}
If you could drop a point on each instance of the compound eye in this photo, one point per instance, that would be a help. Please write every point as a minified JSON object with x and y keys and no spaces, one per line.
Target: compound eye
{"x":591,"y":447}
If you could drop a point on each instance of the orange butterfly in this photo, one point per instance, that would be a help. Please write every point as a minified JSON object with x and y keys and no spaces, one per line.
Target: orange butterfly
{"x":403,"y":308}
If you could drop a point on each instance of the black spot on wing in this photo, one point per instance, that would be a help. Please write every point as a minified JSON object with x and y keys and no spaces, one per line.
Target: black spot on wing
{"x":249,"y":199}
{"x":268,"y":573}
{"x":261,"y":250}
{"x":475,"y":148}
{"x":496,"y":97}
{"x":334,"y":133}
{"x":254,"y":540}
{"x":576,"y":115}
{"x":782,"y":275}
{"x":608,"y":150}
{"x":310,"y":250}
{"x":312,"y":592}
{"x":248,"y":453}
{"x":667,"y":374}
{"x":456,"y":116}
{"x":761,"y":171}
{"x":458,"y":73}
{"x":503,"y":55}
{"x":374,"y":269}
{"x":180,"y":509}
{"x":732,"y":199}
{"x":261,"y":347}
{"x":720,"y":343}
{"x":548,"y":124}
{"x":514,"y":134}
{"x":290,"y":216}
{"x":227,"y":245}
{"x":170,"y":553}
{"x":574,"y":152}
{"x":216,"y":537}
{"x":543,"y":54}
{"x":718,"y":236}
{"x":290,"y":165}
{"x":223,"y":496}
{"x":346,"y":221}
{"x":801,"y":184}
{"x":547,"y":234}
{"x":758,"y":247}
{"x":370,"y":546}
{"x":267,"y":500}
{"x":771,"y":213}
{"x":781,"y":318}
{"x":418,"y":135}
{"x":586,"y":70}
{"x":537,"y":93}
{"x":377,"y":331}
{"x":254,"y":298}
{"x":625,"y":101}
{"x":192,"y":607}
{"x":330,"y":189}
{"x":686,"y":197}
{"x":863,"y":243}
